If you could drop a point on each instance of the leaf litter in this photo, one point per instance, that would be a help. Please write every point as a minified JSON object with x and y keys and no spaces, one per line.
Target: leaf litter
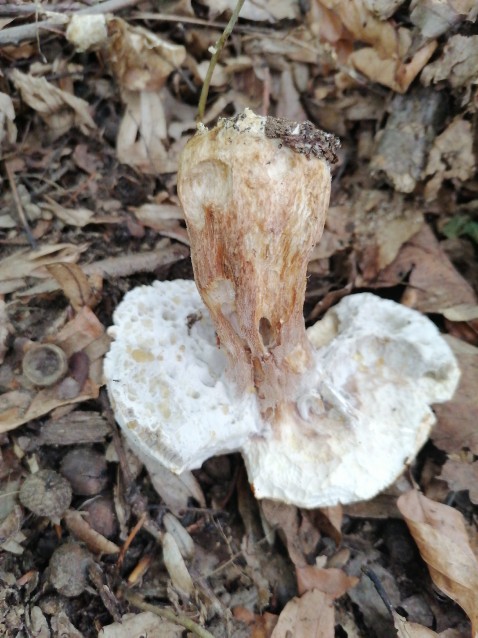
{"x":93,"y":116}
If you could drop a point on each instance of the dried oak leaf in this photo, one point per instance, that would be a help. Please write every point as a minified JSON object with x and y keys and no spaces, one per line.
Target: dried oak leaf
{"x":440,"y":534}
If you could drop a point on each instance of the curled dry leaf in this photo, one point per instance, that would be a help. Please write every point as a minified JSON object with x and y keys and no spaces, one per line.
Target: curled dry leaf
{"x":140,"y":60}
{"x":75,"y":284}
{"x":59,"y":109}
{"x":456,"y":419}
{"x":384,"y":60}
{"x":24,"y":263}
{"x":435,"y":17}
{"x":440,"y":534}
{"x":95,"y":541}
{"x":311,"y":615}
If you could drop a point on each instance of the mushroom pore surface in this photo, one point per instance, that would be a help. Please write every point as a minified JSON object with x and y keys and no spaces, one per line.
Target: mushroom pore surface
{"x":322,"y":416}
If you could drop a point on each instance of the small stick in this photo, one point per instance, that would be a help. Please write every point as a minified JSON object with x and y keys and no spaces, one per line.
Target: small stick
{"x":218,"y":47}
{"x":179,"y":619}
{"x":18,"y":204}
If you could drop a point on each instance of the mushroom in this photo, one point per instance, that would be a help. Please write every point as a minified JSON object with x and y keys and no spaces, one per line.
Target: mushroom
{"x":321,"y":416}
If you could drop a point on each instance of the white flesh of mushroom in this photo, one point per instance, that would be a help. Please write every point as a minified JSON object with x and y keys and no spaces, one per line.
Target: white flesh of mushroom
{"x":321,"y":417}
{"x":381,"y":366}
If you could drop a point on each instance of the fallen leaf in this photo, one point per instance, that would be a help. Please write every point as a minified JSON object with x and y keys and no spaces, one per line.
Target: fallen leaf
{"x":95,"y":541}
{"x":141,"y":625}
{"x":59,"y":109}
{"x":456,"y":419}
{"x":458,"y":64}
{"x":462,"y":475}
{"x":85,"y":334}
{"x":435,"y":17}
{"x":451,"y":156}
{"x":286,"y":518}
{"x":407,"y":629}
{"x":333,"y":582}
{"x":440,"y":534}
{"x":141,"y":60}
{"x":310,"y":616}
{"x":142,"y":133}
{"x":74,"y":283}
{"x":433,"y":282}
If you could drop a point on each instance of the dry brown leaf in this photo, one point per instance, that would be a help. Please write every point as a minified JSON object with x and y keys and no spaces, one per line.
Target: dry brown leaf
{"x":32,"y":263}
{"x":59,"y":109}
{"x":384,"y":60}
{"x":83,"y":334}
{"x":140,"y":625}
{"x":142,"y":132}
{"x":310,"y":616}
{"x":382,"y":225}
{"x":364,"y":26}
{"x":333,"y":582}
{"x":74,"y":283}
{"x":461,"y":474}
{"x":286,"y":518}
{"x":71,"y":216}
{"x":95,"y":541}
{"x":456,"y":419}
{"x":435,"y":17}
{"x":392,"y":72}
{"x":140,"y":60}
{"x":440,"y":534}
{"x":451,"y":156}
{"x":261,"y":626}
{"x":407,"y":629}
{"x":458,"y":64}
{"x":433,"y":282}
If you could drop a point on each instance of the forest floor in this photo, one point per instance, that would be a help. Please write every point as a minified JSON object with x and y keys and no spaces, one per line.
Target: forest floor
{"x":94,"y":112}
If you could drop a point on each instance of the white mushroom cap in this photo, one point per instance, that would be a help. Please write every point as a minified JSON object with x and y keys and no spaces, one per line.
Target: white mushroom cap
{"x":166,"y":379}
{"x":322,"y":416}
{"x":380,"y":365}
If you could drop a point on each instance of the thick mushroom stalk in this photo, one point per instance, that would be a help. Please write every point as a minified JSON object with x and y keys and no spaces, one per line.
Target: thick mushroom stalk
{"x":324,"y":416}
{"x":255,"y":192}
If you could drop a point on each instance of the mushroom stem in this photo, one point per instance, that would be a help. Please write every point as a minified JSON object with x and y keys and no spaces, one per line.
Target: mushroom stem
{"x":255,"y":192}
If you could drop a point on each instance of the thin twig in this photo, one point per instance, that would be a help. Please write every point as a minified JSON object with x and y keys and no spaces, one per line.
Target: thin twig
{"x":168,"y":614}
{"x":18,"y":204}
{"x":14,"y":35}
{"x":218,"y":47}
